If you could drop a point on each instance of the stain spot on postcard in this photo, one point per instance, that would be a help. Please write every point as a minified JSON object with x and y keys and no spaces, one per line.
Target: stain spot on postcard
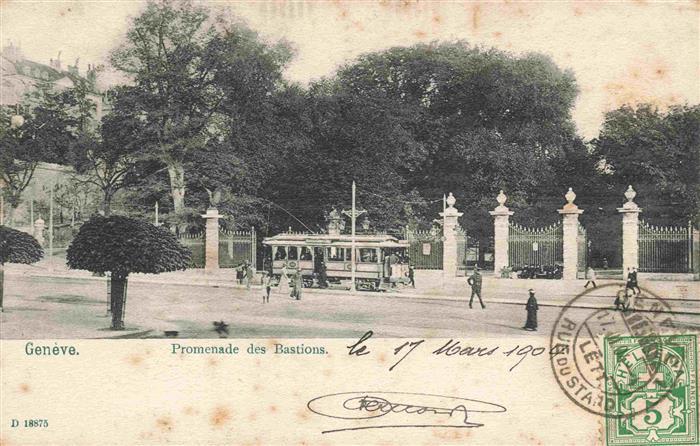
{"x":24,"y":388}
{"x":452,"y":434}
{"x":531,"y":439}
{"x":165,"y":424}
{"x":220,"y":416}
{"x":303,"y":415}
{"x":134,"y":359}
{"x":476,"y":16}
{"x":189,"y":410}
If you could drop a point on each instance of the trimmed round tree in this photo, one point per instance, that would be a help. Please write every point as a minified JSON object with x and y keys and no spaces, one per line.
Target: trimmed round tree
{"x":16,"y":247}
{"x":123,"y":245}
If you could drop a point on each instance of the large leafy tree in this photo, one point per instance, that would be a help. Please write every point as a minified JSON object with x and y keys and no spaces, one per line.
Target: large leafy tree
{"x":192,"y":75}
{"x":105,"y":155}
{"x":52,"y":120}
{"x":123,"y":246}
{"x":412,"y":123}
{"x":658,"y":153}
{"x":16,"y":247}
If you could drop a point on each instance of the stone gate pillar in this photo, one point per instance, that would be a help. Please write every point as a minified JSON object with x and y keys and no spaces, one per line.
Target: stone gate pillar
{"x":211,"y":240}
{"x":501,"y":215}
{"x":570,"y":213}
{"x":449,"y":246}
{"x":39,"y":226}
{"x":630,"y":232}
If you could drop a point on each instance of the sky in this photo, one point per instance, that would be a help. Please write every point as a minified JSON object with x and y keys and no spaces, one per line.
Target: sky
{"x":620,"y":52}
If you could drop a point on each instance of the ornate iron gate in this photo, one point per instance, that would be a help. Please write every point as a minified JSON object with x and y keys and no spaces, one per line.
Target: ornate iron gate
{"x":535,"y":246}
{"x":425,"y":250}
{"x":235,"y":247}
{"x":195,"y":242}
{"x":467,"y":250}
{"x":665,"y":249}
{"x":582,"y":241}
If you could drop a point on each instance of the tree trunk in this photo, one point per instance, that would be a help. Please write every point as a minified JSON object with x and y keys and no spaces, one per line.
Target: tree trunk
{"x":107,"y":202}
{"x":12,"y":213}
{"x":176,"y":171}
{"x":118,"y":287}
{"x":2,"y":283}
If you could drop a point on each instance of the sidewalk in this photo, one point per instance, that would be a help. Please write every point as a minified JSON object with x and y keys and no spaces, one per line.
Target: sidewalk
{"x":683,"y":297}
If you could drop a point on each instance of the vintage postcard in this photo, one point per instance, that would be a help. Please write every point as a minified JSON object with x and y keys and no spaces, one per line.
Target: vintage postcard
{"x":297,"y":222}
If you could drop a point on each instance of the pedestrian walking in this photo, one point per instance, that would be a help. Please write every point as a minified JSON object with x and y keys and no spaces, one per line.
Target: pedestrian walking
{"x":531,"y":307}
{"x":630,"y":283}
{"x":411,"y":276}
{"x":239,"y":274}
{"x":634,"y":283}
{"x":283,"y":286}
{"x":250,"y":274}
{"x":297,"y":285}
{"x":590,"y":275}
{"x":266,"y":286}
{"x":475,"y":282}
{"x":622,"y":300}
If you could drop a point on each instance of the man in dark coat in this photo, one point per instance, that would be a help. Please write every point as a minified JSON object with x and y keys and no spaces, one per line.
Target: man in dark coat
{"x":631,"y":281}
{"x":531,"y":307}
{"x":634,"y":282}
{"x":475,"y":282}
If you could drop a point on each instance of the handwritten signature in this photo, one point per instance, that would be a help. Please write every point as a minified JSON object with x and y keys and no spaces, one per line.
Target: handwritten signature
{"x":372,"y":405}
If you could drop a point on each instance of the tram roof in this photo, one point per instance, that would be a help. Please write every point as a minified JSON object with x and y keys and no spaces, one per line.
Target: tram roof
{"x":341,"y":240}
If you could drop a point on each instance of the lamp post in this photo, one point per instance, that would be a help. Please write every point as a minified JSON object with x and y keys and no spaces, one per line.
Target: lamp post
{"x":353,"y":217}
{"x":51,"y":227}
{"x":2,"y":202}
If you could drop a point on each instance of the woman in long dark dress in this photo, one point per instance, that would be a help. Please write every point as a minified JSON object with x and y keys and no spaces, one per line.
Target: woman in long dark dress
{"x":531,"y":307}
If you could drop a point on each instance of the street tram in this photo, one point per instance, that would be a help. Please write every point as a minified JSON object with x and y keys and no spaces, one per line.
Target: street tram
{"x":380,"y":260}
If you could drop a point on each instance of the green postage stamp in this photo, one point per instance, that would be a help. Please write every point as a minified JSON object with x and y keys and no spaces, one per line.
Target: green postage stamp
{"x":651,"y":390}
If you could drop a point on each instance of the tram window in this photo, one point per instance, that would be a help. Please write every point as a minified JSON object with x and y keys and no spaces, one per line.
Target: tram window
{"x":368,"y":255}
{"x":280,"y":253}
{"x":336,"y":254}
{"x":292,"y":253}
{"x":305,"y":254}
{"x":348,"y":254}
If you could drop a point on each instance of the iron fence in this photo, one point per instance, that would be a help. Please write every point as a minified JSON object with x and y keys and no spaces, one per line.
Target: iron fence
{"x":467,"y":250}
{"x":535,"y":246}
{"x":235,"y":247}
{"x":665,"y":249}
{"x":582,"y":241}
{"x":425,"y":250}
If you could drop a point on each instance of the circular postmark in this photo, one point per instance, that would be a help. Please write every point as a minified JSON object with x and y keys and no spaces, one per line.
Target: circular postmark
{"x":602,"y":355}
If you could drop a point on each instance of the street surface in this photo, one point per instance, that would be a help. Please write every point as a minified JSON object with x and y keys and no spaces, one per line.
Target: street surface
{"x":49,"y":307}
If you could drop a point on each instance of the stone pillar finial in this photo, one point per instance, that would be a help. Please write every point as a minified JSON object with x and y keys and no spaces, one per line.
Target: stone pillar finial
{"x":451,"y":200}
{"x":570,"y":196}
{"x":501,"y":215}
{"x":501,"y":198}
{"x":335,"y":222}
{"x":630,"y":231}
{"x":570,"y":213}
{"x":39,"y":226}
